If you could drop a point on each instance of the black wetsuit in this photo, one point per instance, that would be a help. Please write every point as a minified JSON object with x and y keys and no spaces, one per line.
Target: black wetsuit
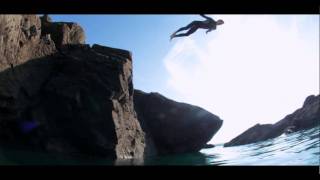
{"x":209,"y":24}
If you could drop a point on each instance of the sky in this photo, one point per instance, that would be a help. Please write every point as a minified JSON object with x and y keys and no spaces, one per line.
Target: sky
{"x":252,"y":69}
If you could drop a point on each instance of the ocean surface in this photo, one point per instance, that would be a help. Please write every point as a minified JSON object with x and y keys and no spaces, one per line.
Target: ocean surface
{"x":299,"y":148}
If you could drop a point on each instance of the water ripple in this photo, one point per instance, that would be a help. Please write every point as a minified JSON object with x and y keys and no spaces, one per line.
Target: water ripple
{"x":299,"y":148}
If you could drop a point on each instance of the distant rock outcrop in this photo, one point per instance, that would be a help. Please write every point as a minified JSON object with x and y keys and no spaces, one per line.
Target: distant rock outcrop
{"x":74,"y":100}
{"x":304,"y":118}
{"x":173,"y":127}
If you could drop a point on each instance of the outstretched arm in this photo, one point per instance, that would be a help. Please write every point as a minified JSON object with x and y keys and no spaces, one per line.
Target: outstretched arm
{"x":204,"y":16}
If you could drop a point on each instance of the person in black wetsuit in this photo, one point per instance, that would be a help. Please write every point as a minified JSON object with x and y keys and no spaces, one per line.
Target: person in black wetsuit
{"x":208,"y":24}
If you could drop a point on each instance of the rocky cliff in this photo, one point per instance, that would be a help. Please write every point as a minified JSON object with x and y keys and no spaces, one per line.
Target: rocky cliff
{"x":173,"y":127}
{"x":62,"y":32}
{"x":75,"y":99}
{"x":21,"y":40}
{"x":306,"y":117}
{"x":62,"y":96}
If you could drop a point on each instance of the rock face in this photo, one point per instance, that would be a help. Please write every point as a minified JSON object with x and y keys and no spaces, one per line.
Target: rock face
{"x":62,"y":32}
{"x":173,"y":127}
{"x":61,"y":96}
{"x":304,"y":118}
{"x":74,"y":100}
{"x":21,"y":40}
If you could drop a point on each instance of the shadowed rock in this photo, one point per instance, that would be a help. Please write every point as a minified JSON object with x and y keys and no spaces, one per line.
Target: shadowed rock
{"x":253,"y":134}
{"x":78,"y":100}
{"x":173,"y":127}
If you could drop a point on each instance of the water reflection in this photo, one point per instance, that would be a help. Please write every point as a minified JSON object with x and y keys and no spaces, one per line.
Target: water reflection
{"x":129,"y":162}
{"x":180,"y":159}
{"x":9,"y":156}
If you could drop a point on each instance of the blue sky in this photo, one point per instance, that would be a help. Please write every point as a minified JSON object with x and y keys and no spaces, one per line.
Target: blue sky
{"x":253,"y":69}
{"x":146,"y":36}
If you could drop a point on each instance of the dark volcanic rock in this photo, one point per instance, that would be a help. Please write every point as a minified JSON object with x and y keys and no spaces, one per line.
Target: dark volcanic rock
{"x":78,"y":100}
{"x":304,"y":118}
{"x":173,"y":127}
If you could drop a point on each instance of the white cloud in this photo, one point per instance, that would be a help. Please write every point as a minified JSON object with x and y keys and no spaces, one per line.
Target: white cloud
{"x":250,"y":70}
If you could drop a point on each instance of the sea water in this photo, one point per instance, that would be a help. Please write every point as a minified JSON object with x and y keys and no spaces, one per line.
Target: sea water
{"x":298,"y":148}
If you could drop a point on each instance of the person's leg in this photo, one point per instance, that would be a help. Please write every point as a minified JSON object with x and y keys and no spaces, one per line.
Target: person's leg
{"x":192,"y":30}
{"x":185,"y":28}
{"x":193,"y":23}
{"x":193,"y":26}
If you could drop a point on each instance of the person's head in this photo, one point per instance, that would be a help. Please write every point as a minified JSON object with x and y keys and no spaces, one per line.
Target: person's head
{"x":220,"y":22}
